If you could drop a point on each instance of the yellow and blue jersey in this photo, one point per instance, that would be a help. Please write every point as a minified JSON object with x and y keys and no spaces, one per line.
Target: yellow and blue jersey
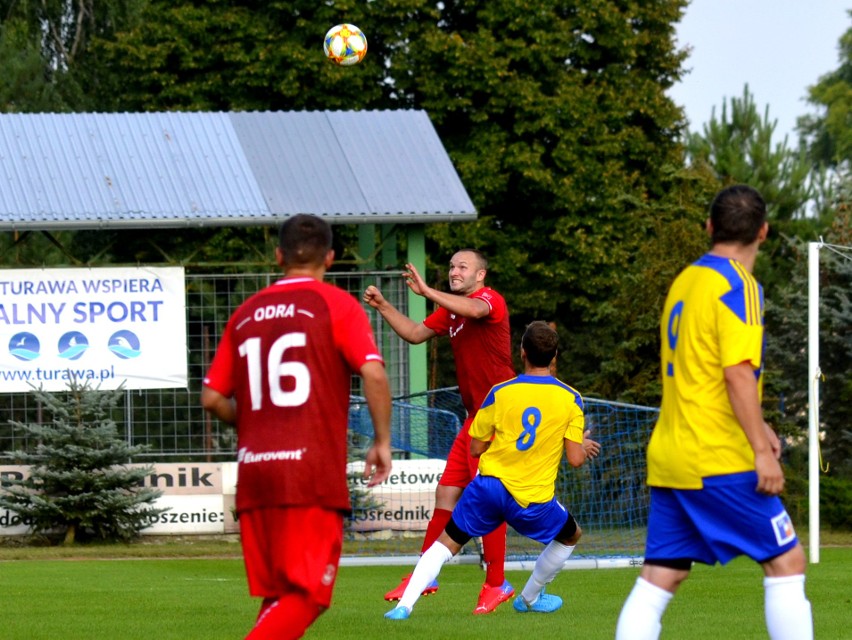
{"x":529,"y":419}
{"x":712,"y":319}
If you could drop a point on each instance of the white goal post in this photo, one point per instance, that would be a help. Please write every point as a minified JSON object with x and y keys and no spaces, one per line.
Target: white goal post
{"x":814,"y":374}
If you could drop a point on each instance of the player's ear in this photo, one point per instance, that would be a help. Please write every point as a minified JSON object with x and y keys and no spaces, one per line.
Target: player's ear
{"x":329,"y":259}
{"x":708,"y":225}
{"x":279,"y":257}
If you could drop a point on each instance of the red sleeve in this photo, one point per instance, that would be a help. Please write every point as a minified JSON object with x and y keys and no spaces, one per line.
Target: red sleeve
{"x":353,"y":334}
{"x":220,"y":375}
{"x":495,"y":302}
{"x":439,"y":321}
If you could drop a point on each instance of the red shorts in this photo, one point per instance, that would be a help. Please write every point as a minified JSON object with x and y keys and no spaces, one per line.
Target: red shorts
{"x":461,"y":467}
{"x":289,"y":549}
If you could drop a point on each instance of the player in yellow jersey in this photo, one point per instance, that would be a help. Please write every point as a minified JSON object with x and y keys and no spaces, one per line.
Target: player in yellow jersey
{"x":520,"y":434}
{"x":712,"y":461}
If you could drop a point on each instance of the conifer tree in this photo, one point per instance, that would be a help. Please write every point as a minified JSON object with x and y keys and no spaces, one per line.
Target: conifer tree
{"x":80,"y":484}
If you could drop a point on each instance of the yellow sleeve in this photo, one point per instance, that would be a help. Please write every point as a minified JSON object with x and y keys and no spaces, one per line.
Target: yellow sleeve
{"x":483,"y":426}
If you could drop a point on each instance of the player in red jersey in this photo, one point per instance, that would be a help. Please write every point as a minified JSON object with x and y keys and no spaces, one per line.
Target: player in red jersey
{"x":477,"y":321}
{"x":282,"y":374}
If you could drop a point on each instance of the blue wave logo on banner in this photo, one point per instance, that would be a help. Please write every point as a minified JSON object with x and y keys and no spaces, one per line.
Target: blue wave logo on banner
{"x":125,"y":344}
{"x":72,"y":345}
{"x":24,"y":346}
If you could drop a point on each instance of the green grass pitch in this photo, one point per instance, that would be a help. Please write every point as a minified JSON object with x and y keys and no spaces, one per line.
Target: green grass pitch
{"x":203,"y":598}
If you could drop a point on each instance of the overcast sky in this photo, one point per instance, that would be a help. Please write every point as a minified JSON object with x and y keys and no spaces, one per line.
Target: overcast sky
{"x":778,"y":47}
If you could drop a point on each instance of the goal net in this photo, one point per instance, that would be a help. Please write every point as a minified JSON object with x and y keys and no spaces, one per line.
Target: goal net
{"x":607,"y":496}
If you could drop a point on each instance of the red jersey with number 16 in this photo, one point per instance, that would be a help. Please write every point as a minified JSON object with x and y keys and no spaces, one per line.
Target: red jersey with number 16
{"x":481,"y":347}
{"x":287,"y":356}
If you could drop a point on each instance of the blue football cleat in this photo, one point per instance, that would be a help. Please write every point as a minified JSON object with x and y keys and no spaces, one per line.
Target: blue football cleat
{"x":545,"y":603}
{"x":399,"y":613}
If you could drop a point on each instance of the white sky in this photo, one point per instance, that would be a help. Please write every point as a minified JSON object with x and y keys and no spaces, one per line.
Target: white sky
{"x":779,"y":47}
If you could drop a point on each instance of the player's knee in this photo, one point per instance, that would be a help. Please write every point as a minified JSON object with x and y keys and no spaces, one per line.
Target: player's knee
{"x":791,"y":563}
{"x":570,"y":533}
{"x":456,"y":534}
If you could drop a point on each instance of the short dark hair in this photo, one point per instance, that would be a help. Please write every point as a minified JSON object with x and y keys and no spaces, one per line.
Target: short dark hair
{"x":540,"y":343}
{"x":483,"y":261}
{"x":737,"y":214}
{"x":304,"y":240}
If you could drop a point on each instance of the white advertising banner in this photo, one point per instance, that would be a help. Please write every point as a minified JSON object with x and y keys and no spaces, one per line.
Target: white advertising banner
{"x":192,"y":494}
{"x":403,"y":502}
{"x":189,"y":515}
{"x":199,"y":498}
{"x":105,"y":327}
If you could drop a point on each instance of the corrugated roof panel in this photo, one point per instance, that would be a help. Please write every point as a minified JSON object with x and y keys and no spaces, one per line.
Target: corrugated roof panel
{"x":161,"y":166}
{"x":178,"y":169}
{"x":299,"y":163}
{"x":85,"y":170}
{"x":358,"y":165}
{"x":392,"y":178}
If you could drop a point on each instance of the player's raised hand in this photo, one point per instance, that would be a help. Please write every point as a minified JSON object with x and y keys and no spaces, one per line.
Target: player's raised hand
{"x":414,"y":281}
{"x":373,"y":297}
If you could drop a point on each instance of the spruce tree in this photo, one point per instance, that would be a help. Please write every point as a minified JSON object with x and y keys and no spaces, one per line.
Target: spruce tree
{"x":80,"y":485}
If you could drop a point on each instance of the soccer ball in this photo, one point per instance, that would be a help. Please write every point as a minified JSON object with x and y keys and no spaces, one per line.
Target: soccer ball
{"x":345,"y":44}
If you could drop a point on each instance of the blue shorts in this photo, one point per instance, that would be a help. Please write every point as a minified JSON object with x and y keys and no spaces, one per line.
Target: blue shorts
{"x":725,"y":519}
{"x":486,"y":504}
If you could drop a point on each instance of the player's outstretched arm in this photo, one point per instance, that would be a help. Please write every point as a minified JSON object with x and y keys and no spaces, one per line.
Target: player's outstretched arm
{"x":454,"y":303}
{"x":406,"y":328}
{"x":578,"y":453}
{"x":377,"y":391}
{"x":575,"y":452}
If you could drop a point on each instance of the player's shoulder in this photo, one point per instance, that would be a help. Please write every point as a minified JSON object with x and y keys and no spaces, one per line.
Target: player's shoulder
{"x":571,"y":391}
{"x":291,"y":289}
{"x":725,"y":272}
{"x":544,"y":388}
{"x":499,"y":310}
{"x":488,"y":294}
{"x":331,"y":292}
{"x":555,"y":389}
{"x":491,"y":397}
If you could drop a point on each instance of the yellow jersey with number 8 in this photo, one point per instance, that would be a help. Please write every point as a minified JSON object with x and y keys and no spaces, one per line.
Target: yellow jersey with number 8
{"x":529,"y":419}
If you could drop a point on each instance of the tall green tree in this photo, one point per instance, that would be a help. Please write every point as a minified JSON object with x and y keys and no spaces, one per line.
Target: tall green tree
{"x":828,"y":133}
{"x":629,"y":347}
{"x":49,"y":63}
{"x":25,"y":84}
{"x":739,"y":147}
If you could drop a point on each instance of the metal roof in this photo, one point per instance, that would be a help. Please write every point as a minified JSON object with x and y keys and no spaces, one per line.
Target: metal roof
{"x":126,"y":170}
